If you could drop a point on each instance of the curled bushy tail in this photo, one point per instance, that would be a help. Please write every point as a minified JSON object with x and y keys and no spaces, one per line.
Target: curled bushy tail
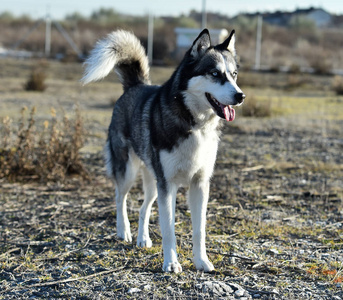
{"x":122,"y":51}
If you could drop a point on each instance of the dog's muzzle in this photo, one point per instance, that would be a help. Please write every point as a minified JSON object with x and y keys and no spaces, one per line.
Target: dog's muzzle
{"x":225,"y":111}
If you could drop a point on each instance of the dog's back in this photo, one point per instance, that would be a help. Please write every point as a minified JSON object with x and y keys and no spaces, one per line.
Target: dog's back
{"x":123,"y":52}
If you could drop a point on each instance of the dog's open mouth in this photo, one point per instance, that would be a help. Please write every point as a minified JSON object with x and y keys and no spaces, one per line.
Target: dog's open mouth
{"x":224,"y":111}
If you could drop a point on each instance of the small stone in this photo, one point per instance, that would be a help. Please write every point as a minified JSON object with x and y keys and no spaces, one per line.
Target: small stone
{"x":232,"y":260}
{"x":133,"y":290}
{"x":325,"y":256}
{"x":273,"y":252}
{"x":239,"y":293}
{"x":225,"y":289}
{"x":147,"y":287}
{"x":207,"y":286}
{"x":198,"y":286}
{"x":275,"y":292}
{"x":88,"y":252}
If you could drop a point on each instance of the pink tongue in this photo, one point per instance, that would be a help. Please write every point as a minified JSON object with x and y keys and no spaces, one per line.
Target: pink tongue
{"x":229,"y":113}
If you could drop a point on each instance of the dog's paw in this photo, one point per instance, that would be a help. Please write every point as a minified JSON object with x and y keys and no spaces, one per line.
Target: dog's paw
{"x":144,"y":242}
{"x":174,"y":267}
{"x":203,"y":264}
{"x":125,"y":235}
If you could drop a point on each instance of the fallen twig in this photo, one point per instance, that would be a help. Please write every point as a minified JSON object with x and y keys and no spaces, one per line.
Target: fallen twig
{"x":69,"y":279}
{"x":9,"y":252}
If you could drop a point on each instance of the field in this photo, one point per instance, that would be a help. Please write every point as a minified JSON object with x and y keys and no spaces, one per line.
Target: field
{"x":275,"y":216}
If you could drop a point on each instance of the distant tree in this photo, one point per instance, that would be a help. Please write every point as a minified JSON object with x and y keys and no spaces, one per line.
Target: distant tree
{"x":188,"y":22}
{"x":6,"y":16}
{"x":302,"y":23}
{"x":244,"y":23}
{"x":24,"y":18}
{"x":75,"y":17}
{"x":105,"y":15}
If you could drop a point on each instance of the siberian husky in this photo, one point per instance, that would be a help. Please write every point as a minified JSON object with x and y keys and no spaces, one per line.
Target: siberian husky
{"x":170,"y":132}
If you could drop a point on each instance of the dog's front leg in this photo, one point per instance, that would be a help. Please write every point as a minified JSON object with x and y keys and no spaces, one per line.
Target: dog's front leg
{"x":198,"y":198}
{"x":166,"y":206}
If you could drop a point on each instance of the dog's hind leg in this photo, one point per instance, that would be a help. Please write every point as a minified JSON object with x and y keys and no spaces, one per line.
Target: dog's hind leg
{"x":197,"y":199}
{"x":150,"y":194}
{"x":123,"y":185}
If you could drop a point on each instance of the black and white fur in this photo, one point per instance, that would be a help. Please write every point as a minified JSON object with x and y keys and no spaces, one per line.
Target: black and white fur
{"x":170,"y":132}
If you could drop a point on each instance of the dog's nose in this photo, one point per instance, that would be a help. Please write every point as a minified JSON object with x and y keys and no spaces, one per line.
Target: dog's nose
{"x":239,"y":97}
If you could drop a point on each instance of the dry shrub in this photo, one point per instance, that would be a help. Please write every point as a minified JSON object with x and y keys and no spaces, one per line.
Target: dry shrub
{"x":254,"y":108}
{"x":294,"y":69}
{"x":320,"y":62}
{"x":337,"y":84}
{"x":46,"y":153}
{"x":252,"y":79}
{"x":295,"y":81}
{"x":36,"y":81}
{"x":70,"y":57}
{"x":321,"y":67}
{"x":274,"y":68}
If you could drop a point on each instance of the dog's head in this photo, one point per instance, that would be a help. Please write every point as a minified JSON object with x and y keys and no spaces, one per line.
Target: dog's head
{"x":212,"y":85}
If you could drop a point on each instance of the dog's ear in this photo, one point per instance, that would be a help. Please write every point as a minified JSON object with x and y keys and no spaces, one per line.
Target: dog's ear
{"x":201,"y":44}
{"x":229,"y":44}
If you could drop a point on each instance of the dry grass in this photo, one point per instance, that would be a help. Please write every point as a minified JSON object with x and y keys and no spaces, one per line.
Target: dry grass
{"x":274,"y":221}
{"x":319,"y":61}
{"x":36,"y":81}
{"x":254,"y":108}
{"x":337,"y":85}
{"x":49,"y":151}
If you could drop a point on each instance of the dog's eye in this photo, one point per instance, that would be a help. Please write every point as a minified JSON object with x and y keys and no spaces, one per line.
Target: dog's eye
{"x":235,"y":73}
{"x":214,"y":74}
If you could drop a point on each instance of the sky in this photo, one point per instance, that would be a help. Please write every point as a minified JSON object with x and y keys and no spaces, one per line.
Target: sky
{"x":58,"y":9}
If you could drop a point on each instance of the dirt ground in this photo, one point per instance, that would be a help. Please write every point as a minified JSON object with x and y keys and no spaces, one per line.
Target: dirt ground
{"x":274,"y":221}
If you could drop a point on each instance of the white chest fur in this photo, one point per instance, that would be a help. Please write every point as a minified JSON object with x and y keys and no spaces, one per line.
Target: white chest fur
{"x":193,"y":156}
